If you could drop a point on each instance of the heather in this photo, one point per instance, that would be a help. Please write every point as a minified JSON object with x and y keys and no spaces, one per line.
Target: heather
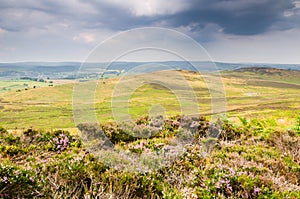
{"x":247,"y":159}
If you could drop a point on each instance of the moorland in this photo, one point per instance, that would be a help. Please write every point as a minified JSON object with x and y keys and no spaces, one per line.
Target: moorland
{"x":255,"y":155}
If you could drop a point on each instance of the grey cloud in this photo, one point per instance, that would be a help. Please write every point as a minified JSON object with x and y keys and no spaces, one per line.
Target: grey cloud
{"x":23,"y":15}
{"x":240,"y":17}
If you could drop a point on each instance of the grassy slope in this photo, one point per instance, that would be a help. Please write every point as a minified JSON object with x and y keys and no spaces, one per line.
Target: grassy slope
{"x":249,"y":93}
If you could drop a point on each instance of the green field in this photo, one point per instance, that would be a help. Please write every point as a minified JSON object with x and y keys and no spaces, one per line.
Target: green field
{"x":18,"y":85}
{"x":251,"y":94}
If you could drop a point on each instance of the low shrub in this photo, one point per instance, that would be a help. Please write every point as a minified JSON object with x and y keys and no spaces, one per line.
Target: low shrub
{"x":297,"y":125}
{"x":11,"y":150}
{"x":17,"y":182}
{"x":2,"y":130}
{"x":11,"y":139}
{"x":230,"y":132}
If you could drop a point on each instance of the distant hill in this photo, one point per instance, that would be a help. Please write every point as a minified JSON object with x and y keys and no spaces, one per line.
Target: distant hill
{"x":69,"y":70}
{"x":265,"y":73}
{"x":267,"y":70}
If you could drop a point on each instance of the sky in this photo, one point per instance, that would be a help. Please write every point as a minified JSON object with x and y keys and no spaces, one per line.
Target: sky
{"x":264,"y":31}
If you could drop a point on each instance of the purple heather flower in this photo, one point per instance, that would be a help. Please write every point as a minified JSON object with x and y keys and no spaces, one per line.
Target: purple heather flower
{"x":176,"y":123}
{"x":256,"y":190}
{"x":66,"y":141}
{"x":55,"y":140}
{"x":139,"y":146}
{"x":228,"y":186}
{"x":147,"y":150}
{"x":252,"y":175}
{"x":194,"y":124}
{"x":61,"y":142}
{"x":5,"y":179}
{"x":242,"y":173}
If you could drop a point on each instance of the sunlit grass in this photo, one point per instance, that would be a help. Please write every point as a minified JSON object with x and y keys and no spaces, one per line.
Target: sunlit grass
{"x":51,"y":107}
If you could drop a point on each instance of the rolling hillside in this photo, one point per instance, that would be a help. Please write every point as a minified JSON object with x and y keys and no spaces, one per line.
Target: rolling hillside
{"x":252,"y":92}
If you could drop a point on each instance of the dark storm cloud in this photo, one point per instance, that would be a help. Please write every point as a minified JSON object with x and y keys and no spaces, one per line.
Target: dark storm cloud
{"x":240,"y":17}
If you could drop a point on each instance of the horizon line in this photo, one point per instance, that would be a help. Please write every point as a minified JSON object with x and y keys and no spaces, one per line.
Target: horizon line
{"x":128,"y":61}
